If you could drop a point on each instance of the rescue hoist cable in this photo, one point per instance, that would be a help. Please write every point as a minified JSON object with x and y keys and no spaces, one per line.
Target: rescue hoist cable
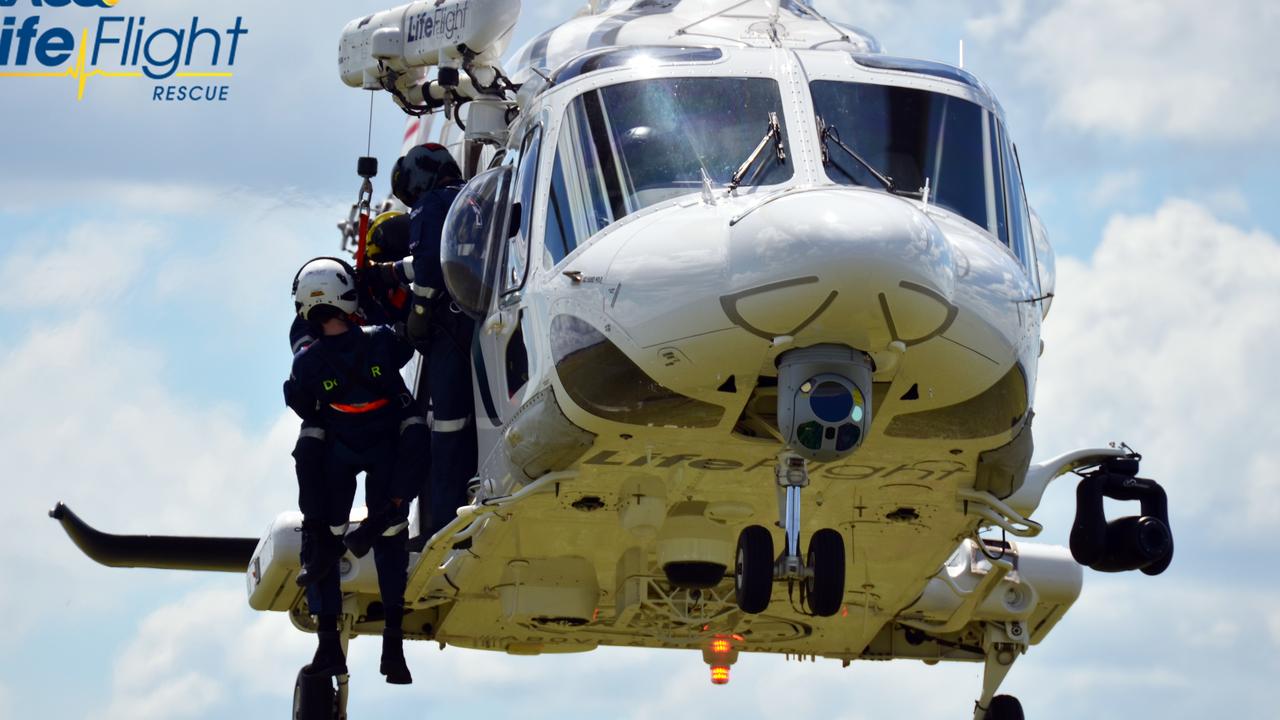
{"x":367,"y":168}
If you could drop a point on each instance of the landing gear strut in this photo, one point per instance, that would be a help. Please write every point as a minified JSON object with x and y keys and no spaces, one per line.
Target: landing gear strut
{"x":324,"y":697}
{"x":821,"y":570}
{"x":1003,"y":643}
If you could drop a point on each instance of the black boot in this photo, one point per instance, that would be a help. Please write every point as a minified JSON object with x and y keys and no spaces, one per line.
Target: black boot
{"x":393,"y":664}
{"x":322,"y":551}
{"x":360,"y":540}
{"x":328,"y":659}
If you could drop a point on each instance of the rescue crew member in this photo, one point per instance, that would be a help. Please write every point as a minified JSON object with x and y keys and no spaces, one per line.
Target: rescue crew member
{"x":348,"y":382}
{"x":388,"y":240}
{"x":428,"y":180}
{"x":388,"y":237}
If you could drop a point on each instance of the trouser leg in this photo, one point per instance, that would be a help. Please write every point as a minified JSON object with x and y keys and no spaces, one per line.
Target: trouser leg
{"x":322,"y":546}
{"x":308,"y":465}
{"x":388,"y":508}
{"x":453,"y":432}
{"x":319,"y":550}
{"x":413,"y":459}
{"x":392,"y":560}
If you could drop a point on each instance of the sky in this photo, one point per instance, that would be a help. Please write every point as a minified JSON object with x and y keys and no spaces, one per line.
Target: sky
{"x":146,"y":251}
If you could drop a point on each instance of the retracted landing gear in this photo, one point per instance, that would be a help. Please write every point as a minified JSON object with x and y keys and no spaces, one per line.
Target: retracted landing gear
{"x":1138,"y":542}
{"x":1003,"y":643}
{"x":820,"y":570}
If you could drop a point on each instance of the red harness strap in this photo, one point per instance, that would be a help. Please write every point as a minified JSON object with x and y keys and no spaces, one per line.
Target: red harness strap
{"x":358,"y":408}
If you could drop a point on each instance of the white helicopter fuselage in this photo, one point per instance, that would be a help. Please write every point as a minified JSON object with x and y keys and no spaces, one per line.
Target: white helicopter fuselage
{"x":742,"y":283}
{"x":701,"y":293}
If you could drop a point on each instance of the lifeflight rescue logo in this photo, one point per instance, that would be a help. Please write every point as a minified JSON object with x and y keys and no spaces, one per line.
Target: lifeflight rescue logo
{"x":120,"y":46}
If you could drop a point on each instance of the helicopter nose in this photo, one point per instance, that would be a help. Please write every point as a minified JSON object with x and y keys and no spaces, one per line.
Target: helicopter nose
{"x":860,"y":265}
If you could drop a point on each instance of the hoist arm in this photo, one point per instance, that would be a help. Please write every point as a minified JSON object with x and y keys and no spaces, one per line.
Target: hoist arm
{"x":392,"y":49}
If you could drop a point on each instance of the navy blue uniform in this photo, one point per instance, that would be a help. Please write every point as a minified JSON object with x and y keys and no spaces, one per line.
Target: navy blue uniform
{"x":350,"y":386}
{"x":447,"y":355}
{"x":308,"y":452}
{"x":426,"y":226}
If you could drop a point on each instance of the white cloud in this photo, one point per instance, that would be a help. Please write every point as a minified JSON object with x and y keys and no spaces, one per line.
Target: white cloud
{"x":1114,"y":188}
{"x":91,"y":413}
{"x":94,"y":265}
{"x":1175,"y":68}
{"x":1004,"y":20}
{"x":188,"y":657}
{"x":1229,"y":201}
{"x":1273,"y":625}
{"x":1166,"y":338}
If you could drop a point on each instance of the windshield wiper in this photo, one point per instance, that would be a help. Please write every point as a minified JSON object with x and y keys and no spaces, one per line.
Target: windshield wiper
{"x":774,"y":133}
{"x":827,"y":132}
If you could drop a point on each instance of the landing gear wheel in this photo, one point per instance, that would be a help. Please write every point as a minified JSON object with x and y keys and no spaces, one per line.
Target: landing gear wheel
{"x":1004,"y":707}
{"x":753,"y":569}
{"x":314,"y":697}
{"x":825,"y":586}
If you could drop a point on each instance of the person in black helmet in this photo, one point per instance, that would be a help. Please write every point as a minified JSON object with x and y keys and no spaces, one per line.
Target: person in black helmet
{"x":428,"y":180}
{"x":347,"y":383}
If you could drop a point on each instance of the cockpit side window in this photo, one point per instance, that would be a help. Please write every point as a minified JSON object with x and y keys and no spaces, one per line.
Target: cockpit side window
{"x":518,"y":241}
{"x":625,"y":147}
{"x":994,"y":172}
{"x":1019,"y":216}
{"x":560,"y":238}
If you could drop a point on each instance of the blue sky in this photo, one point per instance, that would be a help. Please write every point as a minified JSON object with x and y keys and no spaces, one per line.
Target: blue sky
{"x":146,"y":251}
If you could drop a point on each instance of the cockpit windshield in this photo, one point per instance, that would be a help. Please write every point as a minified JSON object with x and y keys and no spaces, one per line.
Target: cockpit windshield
{"x":913,"y":137}
{"x":625,"y":147}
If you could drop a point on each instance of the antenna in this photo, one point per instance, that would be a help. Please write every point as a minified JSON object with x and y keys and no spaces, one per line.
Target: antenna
{"x":961,"y":53}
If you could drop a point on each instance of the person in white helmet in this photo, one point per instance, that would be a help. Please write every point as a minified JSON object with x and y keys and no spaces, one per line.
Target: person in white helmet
{"x":347,"y":383}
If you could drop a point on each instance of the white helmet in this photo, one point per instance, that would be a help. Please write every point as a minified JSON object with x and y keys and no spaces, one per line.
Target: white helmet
{"x":325,"y":281}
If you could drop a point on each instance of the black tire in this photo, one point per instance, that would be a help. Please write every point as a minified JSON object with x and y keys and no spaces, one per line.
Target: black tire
{"x":314,"y":697}
{"x":753,"y":569}
{"x":1004,"y":707}
{"x":825,"y":587}
{"x":694,"y":575}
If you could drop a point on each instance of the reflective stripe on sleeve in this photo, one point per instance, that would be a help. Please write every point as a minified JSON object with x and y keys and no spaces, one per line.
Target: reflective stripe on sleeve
{"x":312,"y":432}
{"x":444,"y":426}
{"x":395,"y":529}
{"x":302,"y":342}
{"x":406,"y":269}
{"x":410,"y":422}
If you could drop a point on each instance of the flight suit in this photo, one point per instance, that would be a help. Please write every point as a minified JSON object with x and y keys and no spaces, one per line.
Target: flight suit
{"x":308,"y":462}
{"x":350,"y":386}
{"x":444,"y":340}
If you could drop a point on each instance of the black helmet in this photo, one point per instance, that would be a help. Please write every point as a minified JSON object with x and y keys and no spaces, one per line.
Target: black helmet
{"x":421,"y":170}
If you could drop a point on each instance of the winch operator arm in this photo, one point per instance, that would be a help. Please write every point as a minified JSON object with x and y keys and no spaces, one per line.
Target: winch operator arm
{"x":392,"y":50}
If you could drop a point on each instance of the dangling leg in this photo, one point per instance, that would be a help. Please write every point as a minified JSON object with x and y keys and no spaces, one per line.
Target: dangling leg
{"x":392,"y":561}
{"x":453,"y":434}
{"x":413,"y":472}
{"x":324,"y":596}
{"x":386,"y":499}
{"x":319,"y":552}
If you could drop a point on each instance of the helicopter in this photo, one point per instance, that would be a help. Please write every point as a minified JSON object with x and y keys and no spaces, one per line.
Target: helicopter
{"x":759,"y":312}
